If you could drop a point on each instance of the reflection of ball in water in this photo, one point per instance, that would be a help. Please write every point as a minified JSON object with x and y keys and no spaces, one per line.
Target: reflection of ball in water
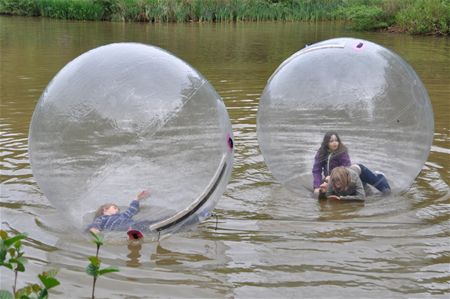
{"x":365,"y":92}
{"x":126,"y":117}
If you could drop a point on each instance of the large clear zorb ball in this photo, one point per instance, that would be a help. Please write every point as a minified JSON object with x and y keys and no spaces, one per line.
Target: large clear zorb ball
{"x":127,"y":117}
{"x":365,"y":92}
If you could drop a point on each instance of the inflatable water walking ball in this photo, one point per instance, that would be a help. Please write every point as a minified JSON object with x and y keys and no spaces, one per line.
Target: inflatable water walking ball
{"x":365,"y":92}
{"x":127,"y":117}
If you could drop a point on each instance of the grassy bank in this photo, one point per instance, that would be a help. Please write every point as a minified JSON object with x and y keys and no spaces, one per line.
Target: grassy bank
{"x":412,"y":16}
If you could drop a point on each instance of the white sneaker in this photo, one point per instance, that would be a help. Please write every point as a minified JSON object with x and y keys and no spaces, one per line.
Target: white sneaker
{"x":379,"y":172}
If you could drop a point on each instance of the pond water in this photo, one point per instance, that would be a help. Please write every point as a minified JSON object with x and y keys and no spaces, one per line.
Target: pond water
{"x":269,"y":242}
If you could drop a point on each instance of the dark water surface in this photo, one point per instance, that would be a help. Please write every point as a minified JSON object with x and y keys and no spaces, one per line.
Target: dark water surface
{"x":270,"y":242}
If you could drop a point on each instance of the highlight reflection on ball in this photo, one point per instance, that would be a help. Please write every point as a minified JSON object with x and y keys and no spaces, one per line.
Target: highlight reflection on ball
{"x":367,"y":93}
{"x":126,"y":117}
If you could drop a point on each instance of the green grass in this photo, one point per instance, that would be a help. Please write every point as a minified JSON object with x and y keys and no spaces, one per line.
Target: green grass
{"x":70,"y":10}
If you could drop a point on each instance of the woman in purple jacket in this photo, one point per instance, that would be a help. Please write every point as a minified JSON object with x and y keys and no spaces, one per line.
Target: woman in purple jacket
{"x":331,"y":154}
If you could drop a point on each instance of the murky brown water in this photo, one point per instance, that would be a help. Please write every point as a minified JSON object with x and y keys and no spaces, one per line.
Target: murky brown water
{"x":270,"y":243}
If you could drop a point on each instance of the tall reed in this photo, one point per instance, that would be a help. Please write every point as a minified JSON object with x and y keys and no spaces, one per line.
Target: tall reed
{"x":70,"y":9}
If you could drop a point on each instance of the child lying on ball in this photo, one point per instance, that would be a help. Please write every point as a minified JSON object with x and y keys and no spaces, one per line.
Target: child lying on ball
{"x":108,"y":217}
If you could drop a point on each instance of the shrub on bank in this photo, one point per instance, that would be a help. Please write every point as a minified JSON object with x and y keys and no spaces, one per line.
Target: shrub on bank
{"x":365,"y":17}
{"x":426,"y":17}
{"x":19,"y":7}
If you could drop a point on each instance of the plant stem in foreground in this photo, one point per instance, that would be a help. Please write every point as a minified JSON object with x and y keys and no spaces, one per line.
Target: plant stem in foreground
{"x":93,"y":288}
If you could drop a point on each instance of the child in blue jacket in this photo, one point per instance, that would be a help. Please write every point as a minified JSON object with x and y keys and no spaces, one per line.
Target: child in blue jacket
{"x":108,"y":217}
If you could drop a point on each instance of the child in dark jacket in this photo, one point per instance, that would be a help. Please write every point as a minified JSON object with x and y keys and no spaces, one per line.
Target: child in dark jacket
{"x":332,"y":153}
{"x":108,"y":217}
{"x":345,"y":184}
{"x":348,"y":183}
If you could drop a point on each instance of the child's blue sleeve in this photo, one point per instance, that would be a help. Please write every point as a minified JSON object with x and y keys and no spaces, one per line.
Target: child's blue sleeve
{"x":96,"y":224}
{"x":133,"y":209}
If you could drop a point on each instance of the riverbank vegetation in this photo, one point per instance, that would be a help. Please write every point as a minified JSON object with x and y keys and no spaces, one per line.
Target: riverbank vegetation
{"x":412,"y":16}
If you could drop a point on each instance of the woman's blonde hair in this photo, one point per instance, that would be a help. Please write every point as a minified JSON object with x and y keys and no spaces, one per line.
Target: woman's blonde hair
{"x":102,"y":209}
{"x":341,"y":175}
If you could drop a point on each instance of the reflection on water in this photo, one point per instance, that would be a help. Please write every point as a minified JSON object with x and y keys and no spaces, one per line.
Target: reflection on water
{"x":134,"y":255}
{"x":269,"y":242}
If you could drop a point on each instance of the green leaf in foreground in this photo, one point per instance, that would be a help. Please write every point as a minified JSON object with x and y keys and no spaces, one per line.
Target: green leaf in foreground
{"x":97,"y":238}
{"x":92,"y":270}
{"x":95,"y":261}
{"x":9,"y":242}
{"x":48,"y":282}
{"x":108,"y":270}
